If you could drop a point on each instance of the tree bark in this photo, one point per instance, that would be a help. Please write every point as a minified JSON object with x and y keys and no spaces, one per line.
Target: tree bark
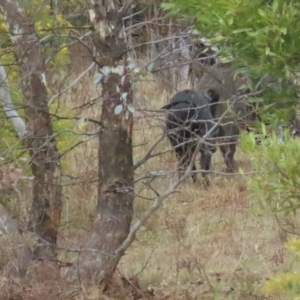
{"x":98,"y":260}
{"x":44,"y":158}
{"x":15,"y":254}
{"x":8,"y":106}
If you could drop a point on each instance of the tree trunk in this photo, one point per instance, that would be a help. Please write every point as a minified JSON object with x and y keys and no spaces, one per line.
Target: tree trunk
{"x":14,"y":252}
{"x":98,"y":260}
{"x":44,"y":159}
{"x":8,"y":106}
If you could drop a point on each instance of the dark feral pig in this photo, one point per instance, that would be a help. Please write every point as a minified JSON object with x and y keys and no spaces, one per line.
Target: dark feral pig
{"x":218,"y":83}
{"x":189,"y":118}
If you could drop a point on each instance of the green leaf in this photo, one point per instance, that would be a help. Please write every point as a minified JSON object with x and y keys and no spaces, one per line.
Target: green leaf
{"x":230,"y":21}
{"x":150,"y":67}
{"x":131,"y":66}
{"x":105,"y":70}
{"x":252,"y":138}
{"x":253,"y":33}
{"x":241,"y":171}
{"x":283,"y":30}
{"x":243,"y":86}
{"x":262,"y":13}
{"x":269,"y":52}
{"x":118,"y":109}
{"x":275,"y":6}
{"x":97,"y":77}
{"x":241,"y":30}
{"x":131,"y":108}
{"x":218,"y":38}
{"x":142,"y":73}
{"x":264,"y":131}
{"x":124,"y":96}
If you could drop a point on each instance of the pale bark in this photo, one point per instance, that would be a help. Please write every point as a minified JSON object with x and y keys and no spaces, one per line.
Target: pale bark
{"x":44,"y":159}
{"x":185,"y":55}
{"x":15,"y":255}
{"x":8,"y":106}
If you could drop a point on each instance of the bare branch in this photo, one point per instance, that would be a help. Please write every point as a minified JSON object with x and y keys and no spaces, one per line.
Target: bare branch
{"x":148,"y":155}
{"x":156,"y":205}
{"x":76,"y":118}
{"x":73,"y":83}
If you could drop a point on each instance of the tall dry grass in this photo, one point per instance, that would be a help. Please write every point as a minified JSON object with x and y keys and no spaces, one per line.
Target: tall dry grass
{"x":202,"y":244}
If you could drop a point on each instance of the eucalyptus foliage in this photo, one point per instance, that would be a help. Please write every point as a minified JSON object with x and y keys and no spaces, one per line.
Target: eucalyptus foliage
{"x":276,"y":185}
{"x":261,"y":35}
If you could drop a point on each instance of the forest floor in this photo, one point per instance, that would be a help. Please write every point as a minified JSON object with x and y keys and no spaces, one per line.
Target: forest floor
{"x":202,"y":244}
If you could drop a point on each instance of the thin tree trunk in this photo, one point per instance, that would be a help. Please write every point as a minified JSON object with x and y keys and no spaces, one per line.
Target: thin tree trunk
{"x":44,"y":159}
{"x":185,"y":56}
{"x":14,"y":252}
{"x":97,"y":262}
{"x":8,"y":106}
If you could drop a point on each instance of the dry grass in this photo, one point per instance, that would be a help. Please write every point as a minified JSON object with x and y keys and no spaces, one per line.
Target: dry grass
{"x":203,"y":244}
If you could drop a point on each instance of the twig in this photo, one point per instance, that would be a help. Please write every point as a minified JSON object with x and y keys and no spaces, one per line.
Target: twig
{"x":73,"y":83}
{"x":73,"y":147}
{"x":146,"y":264}
{"x":75,"y":118}
{"x":156,"y":205}
{"x":148,"y":155}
